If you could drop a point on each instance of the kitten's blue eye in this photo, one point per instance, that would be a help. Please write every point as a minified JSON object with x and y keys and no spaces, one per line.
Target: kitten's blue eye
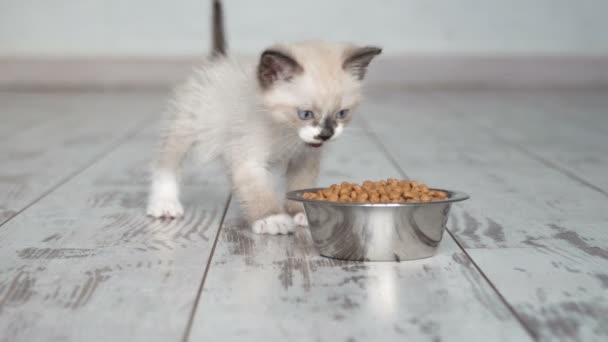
{"x":342,"y":114}
{"x":305,"y":114}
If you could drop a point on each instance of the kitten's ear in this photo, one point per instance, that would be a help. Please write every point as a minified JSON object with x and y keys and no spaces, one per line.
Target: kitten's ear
{"x":276,"y":65}
{"x":358,"y":59}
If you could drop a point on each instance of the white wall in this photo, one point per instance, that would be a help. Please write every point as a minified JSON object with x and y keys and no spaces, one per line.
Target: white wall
{"x":181,"y":27}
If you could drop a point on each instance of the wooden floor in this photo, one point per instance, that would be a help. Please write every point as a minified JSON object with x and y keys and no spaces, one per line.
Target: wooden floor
{"x":526,"y":258}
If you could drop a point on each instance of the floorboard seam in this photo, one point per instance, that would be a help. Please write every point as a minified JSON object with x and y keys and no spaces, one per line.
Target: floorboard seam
{"x":138,"y":127}
{"x":551,"y":165}
{"x":526,"y":327}
{"x":534,"y":156}
{"x":188,"y":330}
{"x":370,"y":133}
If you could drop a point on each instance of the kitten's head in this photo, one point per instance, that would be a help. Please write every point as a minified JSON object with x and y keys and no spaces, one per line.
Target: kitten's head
{"x":313,"y":87}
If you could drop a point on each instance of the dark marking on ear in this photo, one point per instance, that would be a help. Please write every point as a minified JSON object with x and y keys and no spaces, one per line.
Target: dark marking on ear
{"x":358,"y":59}
{"x":276,"y":66}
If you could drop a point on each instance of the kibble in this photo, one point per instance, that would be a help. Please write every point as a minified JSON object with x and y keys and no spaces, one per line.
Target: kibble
{"x":384,"y":191}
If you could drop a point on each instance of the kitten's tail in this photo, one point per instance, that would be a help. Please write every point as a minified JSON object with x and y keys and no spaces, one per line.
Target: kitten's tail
{"x":218,"y":39}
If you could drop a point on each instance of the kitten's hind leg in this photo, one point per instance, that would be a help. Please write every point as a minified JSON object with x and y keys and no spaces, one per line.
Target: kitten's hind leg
{"x":163,"y":200}
{"x":253,"y":185}
{"x":302,"y":173}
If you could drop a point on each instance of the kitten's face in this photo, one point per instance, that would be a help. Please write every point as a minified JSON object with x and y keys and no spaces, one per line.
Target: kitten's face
{"x":318,"y":109}
{"x":317,"y":94}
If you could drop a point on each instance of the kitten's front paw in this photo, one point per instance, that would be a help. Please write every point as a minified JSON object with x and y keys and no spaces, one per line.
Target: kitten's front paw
{"x":300,"y":219}
{"x":164,"y":208}
{"x":274,"y":224}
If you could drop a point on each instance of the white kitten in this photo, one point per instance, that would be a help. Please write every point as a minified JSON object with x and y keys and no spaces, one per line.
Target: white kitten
{"x":253,"y":114}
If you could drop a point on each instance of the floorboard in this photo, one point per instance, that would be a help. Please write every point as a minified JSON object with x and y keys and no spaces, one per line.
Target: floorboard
{"x":22,"y":112}
{"x":80,"y":261}
{"x":85,"y":264}
{"x":85,"y":126}
{"x":280,"y":289}
{"x":566,"y":130}
{"x":523,"y":216}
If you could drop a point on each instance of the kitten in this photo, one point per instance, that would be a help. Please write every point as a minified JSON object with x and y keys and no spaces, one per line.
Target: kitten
{"x":254,"y":114}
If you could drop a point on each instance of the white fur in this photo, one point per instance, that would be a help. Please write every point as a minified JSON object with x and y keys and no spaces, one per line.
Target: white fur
{"x":222,"y":110}
{"x":300,"y":219}
{"x":164,"y":196}
{"x":337,"y":131}
{"x":308,"y":134}
{"x":274,"y":225}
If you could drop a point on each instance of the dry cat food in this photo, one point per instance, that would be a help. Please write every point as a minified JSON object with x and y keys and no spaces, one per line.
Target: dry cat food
{"x":384,"y":191}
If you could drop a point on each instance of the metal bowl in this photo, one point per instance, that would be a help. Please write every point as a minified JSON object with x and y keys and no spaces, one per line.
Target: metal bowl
{"x":377,"y":231}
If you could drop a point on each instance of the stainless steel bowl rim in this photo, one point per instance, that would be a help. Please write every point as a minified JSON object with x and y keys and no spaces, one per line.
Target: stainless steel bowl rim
{"x":453,"y":196}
